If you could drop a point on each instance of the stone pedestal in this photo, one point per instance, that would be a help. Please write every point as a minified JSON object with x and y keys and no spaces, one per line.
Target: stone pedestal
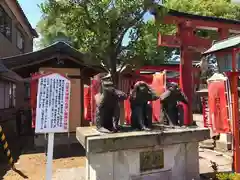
{"x":167,"y":154}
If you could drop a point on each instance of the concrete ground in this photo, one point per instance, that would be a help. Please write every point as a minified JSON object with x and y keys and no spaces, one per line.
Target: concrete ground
{"x":64,"y":170}
{"x":223,"y":161}
{"x":206,"y":156}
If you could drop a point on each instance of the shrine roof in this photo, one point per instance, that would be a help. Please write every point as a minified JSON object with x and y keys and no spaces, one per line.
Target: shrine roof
{"x":37,"y":57}
{"x":179,"y":14}
{"x":224,"y":44}
{"x":200,"y":17}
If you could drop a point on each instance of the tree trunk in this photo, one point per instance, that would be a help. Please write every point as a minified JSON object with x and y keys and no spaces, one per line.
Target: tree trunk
{"x":113,"y":70}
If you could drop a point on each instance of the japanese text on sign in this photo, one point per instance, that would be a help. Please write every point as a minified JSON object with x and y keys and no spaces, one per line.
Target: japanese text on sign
{"x":52,"y":112}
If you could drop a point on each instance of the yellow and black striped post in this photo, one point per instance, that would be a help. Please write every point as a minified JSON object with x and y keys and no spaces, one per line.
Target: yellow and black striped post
{"x":3,"y":141}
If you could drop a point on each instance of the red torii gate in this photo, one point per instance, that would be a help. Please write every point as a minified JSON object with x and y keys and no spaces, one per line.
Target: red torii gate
{"x":188,"y":42}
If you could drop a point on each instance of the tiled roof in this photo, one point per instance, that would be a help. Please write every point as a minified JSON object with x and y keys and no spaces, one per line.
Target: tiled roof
{"x":172,"y":12}
{"x":61,"y":48}
{"x":204,"y":18}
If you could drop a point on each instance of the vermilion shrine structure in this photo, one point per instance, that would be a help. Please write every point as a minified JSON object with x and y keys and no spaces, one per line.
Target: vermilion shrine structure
{"x":228,"y":57}
{"x":188,"y":42}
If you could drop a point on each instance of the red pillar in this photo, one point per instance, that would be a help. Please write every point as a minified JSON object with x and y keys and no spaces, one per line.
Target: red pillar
{"x":186,"y":79}
{"x":235,"y":109}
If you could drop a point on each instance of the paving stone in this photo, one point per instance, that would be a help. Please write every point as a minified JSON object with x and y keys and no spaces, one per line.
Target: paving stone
{"x":205,"y":156}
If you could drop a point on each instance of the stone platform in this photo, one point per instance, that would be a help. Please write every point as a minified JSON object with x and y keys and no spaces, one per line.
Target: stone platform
{"x":161,"y":154}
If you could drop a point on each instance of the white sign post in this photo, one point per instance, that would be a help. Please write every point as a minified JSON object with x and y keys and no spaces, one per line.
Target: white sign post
{"x":52,"y":112}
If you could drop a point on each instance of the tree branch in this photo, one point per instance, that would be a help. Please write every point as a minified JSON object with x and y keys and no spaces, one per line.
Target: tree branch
{"x":132,"y":23}
{"x":90,"y":22}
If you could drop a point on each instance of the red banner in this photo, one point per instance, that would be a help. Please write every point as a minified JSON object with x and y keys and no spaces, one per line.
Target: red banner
{"x":218,"y":107}
{"x":87,"y":103}
{"x":128,"y":111}
{"x":159,"y":85}
{"x":95,"y":87}
{"x":206,"y":118}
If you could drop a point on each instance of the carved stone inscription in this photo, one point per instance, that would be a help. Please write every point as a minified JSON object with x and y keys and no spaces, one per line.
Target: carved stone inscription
{"x":150,"y":160}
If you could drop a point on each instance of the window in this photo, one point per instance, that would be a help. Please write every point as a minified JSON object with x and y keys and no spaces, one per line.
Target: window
{"x":20,"y":40}
{"x":7,"y":95}
{"x":5,"y":24}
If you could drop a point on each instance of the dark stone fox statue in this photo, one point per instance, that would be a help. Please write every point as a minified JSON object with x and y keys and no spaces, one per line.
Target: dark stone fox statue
{"x":108,"y":109}
{"x":140,"y":95}
{"x":169,"y":101}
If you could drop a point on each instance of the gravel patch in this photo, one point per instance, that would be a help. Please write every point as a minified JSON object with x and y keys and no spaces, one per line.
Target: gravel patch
{"x":69,"y":174}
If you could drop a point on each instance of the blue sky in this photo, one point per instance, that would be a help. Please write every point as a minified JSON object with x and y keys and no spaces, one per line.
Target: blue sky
{"x":33,"y":13}
{"x":31,"y":9}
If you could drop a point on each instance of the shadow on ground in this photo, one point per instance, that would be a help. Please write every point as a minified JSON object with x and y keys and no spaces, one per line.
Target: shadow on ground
{"x":25,"y":145}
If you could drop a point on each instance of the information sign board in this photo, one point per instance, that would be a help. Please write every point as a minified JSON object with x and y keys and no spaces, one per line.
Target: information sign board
{"x":52,"y":111}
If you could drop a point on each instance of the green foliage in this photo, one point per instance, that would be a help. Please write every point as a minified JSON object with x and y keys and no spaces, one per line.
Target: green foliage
{"x":98,"y":27}
{"x":94,"y":27}
{"x":213,"y":8}
{"x":146,"y":46}
{"x":228,"y":176}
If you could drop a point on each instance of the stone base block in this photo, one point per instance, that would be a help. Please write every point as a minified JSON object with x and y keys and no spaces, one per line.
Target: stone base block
{"x":167,"y":154}
{"x":180,"y":162}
